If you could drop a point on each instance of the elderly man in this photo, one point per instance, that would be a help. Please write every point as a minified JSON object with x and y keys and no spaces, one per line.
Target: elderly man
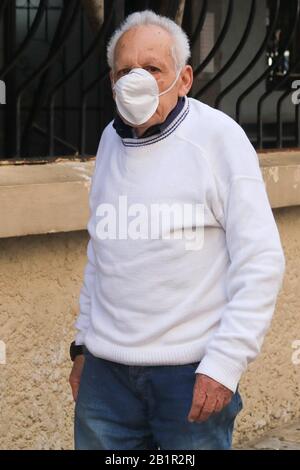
{"x":169,"y":320}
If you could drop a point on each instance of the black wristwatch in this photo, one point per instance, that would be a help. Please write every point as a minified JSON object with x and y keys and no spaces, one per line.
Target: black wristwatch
{"x":75,"y":349}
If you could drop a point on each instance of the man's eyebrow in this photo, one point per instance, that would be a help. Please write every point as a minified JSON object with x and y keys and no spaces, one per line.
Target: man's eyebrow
{"x":123,"y":67}
{"x":146,"y":61}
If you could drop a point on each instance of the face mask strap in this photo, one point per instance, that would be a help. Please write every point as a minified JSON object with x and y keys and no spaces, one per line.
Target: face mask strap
{"x":114,"y":84}
{"x":171,"y":86}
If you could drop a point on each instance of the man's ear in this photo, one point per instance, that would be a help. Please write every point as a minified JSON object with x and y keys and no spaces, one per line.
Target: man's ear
{"x":186,"y":80}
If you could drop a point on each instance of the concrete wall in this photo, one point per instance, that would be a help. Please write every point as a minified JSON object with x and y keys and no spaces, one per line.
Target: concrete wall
{"x":40,"y":279}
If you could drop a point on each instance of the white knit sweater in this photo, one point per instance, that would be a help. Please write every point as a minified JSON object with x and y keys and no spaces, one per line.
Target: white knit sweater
{"x":154,"y":300}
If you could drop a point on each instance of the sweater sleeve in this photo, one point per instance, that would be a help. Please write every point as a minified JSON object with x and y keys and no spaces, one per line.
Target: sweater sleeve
{"x":254,"y":278}
{"x":82,"y":321}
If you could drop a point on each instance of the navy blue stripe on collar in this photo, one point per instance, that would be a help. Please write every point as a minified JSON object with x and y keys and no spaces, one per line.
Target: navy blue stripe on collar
{"x":143,"y":141}
{"x":126,"y":131}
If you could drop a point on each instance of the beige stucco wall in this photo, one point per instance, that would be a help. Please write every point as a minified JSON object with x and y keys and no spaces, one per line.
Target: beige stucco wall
{"x":40,"y":279}
{"x":271,"y":385}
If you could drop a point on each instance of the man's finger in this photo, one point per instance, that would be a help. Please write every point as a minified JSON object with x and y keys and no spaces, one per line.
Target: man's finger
{"x":208,"y":409}
{"x":75,"y":387}
{"x":220,"y":403}
{"x":197,"y":405}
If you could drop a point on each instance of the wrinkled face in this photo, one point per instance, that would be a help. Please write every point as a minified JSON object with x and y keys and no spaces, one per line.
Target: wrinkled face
{"x":150,"y":47}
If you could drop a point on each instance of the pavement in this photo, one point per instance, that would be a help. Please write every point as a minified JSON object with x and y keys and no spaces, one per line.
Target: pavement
{"x":283,"y":438}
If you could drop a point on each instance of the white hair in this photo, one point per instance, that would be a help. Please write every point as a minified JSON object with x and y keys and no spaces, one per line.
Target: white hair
{"x":180,"y":50}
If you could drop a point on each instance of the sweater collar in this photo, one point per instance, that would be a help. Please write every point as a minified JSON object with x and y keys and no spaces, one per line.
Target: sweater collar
{"x":176,"y":116}
{"x":126,"y":131}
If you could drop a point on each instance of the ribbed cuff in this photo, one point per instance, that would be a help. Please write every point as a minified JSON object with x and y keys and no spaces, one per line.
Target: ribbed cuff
{"x":220,"y":370}
{"x":79,"y":338}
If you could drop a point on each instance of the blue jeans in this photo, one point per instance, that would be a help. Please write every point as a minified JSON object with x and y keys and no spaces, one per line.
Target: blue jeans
{"x":127,"y":407}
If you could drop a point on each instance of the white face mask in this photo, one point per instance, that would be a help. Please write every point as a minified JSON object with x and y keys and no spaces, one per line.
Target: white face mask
{"x":137,"y":95}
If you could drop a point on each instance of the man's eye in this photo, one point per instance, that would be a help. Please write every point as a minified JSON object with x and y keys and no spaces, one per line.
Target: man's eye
{"x":152,"y":69}
{"x":123,"y":72}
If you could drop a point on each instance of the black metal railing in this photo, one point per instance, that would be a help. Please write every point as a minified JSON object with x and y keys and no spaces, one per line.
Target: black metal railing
{"x":245,"y":56}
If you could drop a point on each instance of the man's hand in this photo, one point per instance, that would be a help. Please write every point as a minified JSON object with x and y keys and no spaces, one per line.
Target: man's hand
{"x":75,"y":375}
{"x":209,"y":397}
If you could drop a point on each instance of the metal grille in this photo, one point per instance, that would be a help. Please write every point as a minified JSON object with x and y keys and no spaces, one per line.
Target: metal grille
{"x":245,"y":55}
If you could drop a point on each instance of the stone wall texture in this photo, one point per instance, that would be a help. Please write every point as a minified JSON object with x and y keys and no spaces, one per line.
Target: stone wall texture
{"x":40,"y":279}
